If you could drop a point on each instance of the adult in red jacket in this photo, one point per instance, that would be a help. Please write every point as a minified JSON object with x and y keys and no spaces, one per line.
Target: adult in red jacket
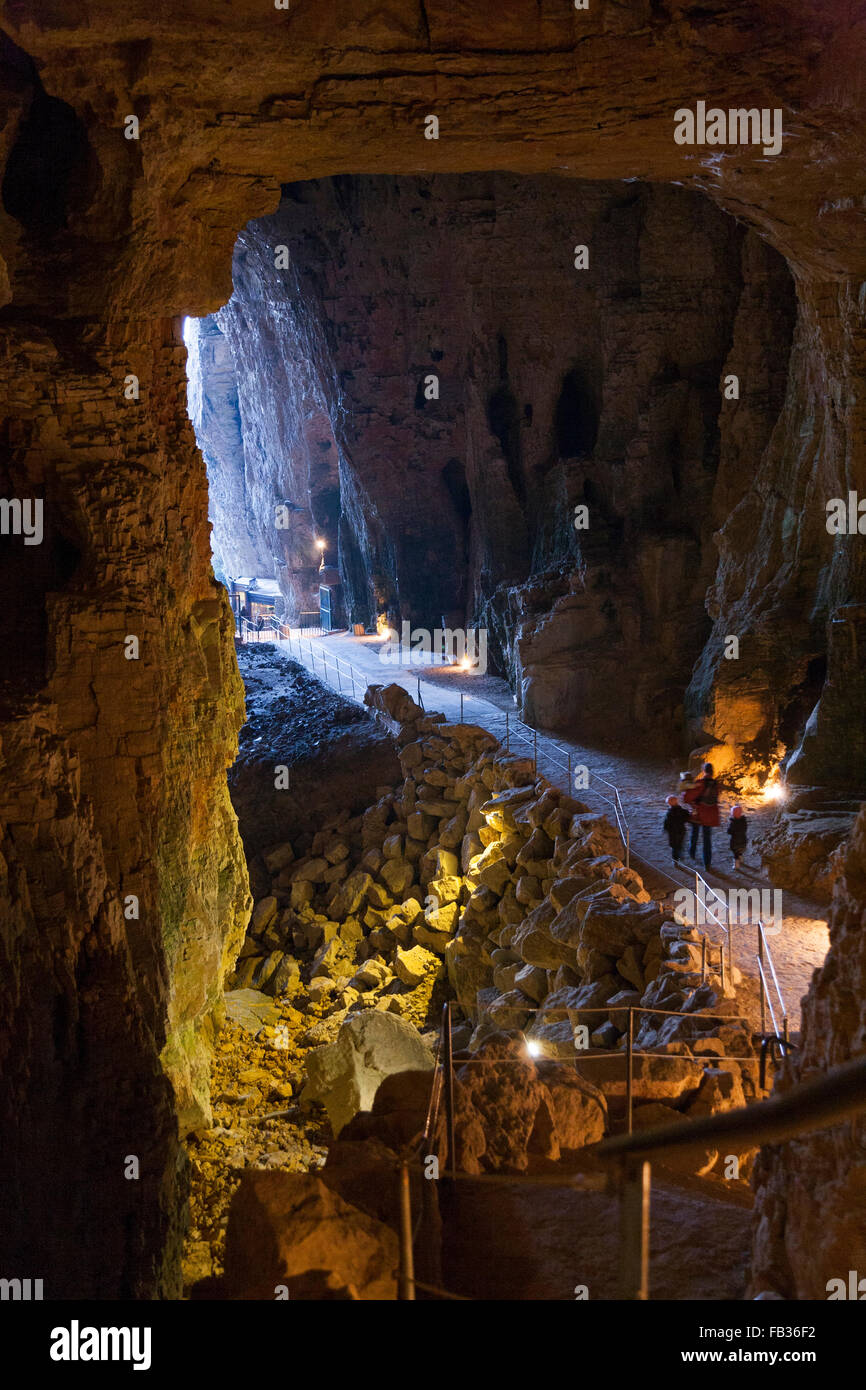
{"x":703,"y":802}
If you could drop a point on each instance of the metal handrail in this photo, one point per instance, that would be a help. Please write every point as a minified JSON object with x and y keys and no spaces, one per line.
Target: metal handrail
{"x":819,"y":1103}
{"x":764,"y":953}
{"x":618,"y":809}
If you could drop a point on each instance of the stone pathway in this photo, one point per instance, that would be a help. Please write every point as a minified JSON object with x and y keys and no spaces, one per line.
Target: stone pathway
{"x":642,"y":779}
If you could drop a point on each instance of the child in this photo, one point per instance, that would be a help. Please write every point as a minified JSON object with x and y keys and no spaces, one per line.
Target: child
{"x":674,"y":826}
{"x":738,"y":831}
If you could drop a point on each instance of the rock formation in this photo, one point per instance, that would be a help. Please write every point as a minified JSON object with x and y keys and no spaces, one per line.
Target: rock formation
{"x":809,"y":1192}
{"x":114,"y":781}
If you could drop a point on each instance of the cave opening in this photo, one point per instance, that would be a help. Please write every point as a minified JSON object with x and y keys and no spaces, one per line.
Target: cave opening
{"x":431,"y":500}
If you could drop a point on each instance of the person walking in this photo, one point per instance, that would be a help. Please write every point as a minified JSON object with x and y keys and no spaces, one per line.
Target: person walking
{"x":738,"y":833}
{"x":674,"y":826}
{"x":703,"y":799}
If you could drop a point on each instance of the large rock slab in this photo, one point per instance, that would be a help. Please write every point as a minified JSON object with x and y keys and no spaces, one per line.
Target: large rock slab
{"x":251,"y":1009}
{"x":345,"y":1075}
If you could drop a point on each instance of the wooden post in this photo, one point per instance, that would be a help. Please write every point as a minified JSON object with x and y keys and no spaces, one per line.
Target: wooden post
{"x":635,"y":1228}
{"x":461,"y":706}
{"x":406,"y":1281}
{"x":703,"y":959}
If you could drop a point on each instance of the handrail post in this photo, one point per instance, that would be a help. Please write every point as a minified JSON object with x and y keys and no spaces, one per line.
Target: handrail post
{"x":627,"y":847}
{"x":535,"y":751}
{"x":703,"y":959}
{"x":761,"y":977}
{"x":722,"y":965}
{"x":406,"y":1283}
{"x":507,"y":732}
{"x":461,"y":706}
{"x":635,"y":1228}
{"x":629,"y":1073}
{"x":448,"y":1065}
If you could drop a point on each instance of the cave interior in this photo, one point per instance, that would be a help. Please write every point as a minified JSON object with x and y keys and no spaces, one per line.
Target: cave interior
{"x":593,"y":394}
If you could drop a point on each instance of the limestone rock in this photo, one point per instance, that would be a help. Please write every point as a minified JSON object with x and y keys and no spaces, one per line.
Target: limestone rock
{"x":285,"y":1227}
{"x":371,"y":1045}
{"x":412,"y":966}
{"x":579,"y":1108}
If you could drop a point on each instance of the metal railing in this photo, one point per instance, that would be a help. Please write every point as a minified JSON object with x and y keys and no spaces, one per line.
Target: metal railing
{"x":828,"y":1100}
{"x":812,"y":1105}
{"x":532,"y":737}
{"x":341,"y":675}
{"x":764,"y":954}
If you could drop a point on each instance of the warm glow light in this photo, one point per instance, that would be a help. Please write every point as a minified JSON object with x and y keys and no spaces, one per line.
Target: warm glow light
{"x":774,"y":792}
{"x":534,"y":1049}
{"x":466,"y":664}
{"x":320,"y":545}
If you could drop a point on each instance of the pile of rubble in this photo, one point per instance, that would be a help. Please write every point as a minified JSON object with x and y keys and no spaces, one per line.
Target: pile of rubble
{"x":476,"y":877}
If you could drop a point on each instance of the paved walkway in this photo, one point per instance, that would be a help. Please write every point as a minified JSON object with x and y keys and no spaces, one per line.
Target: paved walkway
{"x":643,"y":780}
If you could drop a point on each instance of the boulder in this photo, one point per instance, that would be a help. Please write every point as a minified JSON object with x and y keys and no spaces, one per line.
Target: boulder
{"x":579,"y":1108}
{"x":533,"y":941}
{"x":497,"y":1104}
{"x":412,"y":966}
{"x":372,"y":975}
{"x":345,"y":1075}
{"x":310,"y":871}
{"x":398,"y":874}
{"x":264,"y":914}
{"x":277,"y":858}
{"x":351,"y":895}
{"x":290,"y":1229}
{"x":286,"y":978}
{"x":699,"y":1159}
{"x":532,"y":981}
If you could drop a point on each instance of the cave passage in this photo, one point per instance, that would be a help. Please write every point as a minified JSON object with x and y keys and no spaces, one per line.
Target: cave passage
{"x":382,"y":458}
{"x":380,"y":452}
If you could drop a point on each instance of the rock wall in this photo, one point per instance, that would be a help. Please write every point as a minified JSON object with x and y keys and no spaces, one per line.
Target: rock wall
{"x":127,"y":890}
{"x":215,"y":412}
{"x":809,"y":1193}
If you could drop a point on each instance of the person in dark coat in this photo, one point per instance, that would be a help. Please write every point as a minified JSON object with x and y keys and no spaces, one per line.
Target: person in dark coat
{"x":674,"y":826}
{"x":703,"y":801}
{"x":738,"y":832}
